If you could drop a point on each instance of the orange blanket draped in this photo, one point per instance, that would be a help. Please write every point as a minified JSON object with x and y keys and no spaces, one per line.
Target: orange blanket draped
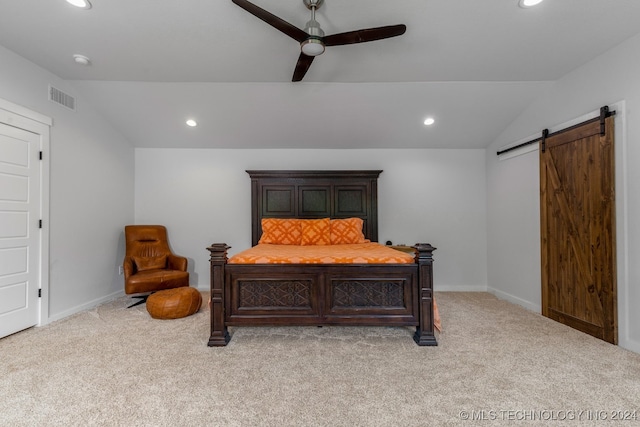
{"x":360,"y":253}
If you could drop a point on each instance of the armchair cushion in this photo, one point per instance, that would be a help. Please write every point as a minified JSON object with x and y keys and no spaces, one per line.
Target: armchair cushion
{"x":150,"y":263}
{"x":156,"y":280}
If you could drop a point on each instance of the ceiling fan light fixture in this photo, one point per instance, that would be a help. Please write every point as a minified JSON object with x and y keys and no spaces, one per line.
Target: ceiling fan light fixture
{"x":81,"y":59}
{"x":312,"y":47}
{"x":529,"y":3}
{"x":83,"y":4}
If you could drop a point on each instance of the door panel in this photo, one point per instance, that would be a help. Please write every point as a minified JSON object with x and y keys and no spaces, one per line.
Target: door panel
{"x":19,"y":232}
{"x":578,"y":229}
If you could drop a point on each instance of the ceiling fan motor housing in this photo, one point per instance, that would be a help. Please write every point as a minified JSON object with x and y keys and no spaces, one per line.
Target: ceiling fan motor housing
{"x":313,"y":45}
{"x":313,"y":3}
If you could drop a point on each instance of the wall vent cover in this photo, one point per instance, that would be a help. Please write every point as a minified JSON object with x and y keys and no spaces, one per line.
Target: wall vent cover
{"x":61,"y":98}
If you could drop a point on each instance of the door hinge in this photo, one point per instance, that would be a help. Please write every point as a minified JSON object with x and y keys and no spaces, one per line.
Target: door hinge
{"x":39,"y":223}
{"x":41,"y":155}
{"x":40,"y":293}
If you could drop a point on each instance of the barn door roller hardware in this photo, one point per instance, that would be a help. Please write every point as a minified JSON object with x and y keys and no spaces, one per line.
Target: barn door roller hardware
{"x":604,"y":113}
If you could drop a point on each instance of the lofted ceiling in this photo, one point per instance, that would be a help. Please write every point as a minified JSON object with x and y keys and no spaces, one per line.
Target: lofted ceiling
{"x":474,"y":65}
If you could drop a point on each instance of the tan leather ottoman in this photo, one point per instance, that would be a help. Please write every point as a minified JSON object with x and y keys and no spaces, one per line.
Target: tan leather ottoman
{"x":174,"y":303}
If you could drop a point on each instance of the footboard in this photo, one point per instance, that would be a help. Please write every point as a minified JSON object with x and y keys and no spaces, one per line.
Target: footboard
{"x":322,"y":294}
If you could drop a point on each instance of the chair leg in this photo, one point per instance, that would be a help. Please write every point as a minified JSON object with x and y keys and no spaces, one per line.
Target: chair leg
{"x":143,"y":299}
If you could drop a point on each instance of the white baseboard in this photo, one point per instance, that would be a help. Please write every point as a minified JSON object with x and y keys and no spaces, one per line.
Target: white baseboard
{"x":623,"y":342}
{"x":458,"y":288}
{"x":203,"y":288}
{"x":83,"y":307}
{"x":516,"y":300}
{"x":629,"y":344}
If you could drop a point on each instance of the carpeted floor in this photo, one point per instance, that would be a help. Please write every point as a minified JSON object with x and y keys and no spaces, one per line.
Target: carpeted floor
{"x":497,"y":364}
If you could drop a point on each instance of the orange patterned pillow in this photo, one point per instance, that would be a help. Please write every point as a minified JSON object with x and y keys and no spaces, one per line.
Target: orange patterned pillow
{"x":347,"y":231}
{"x":281,"y":231}
{"x":316,"y":232}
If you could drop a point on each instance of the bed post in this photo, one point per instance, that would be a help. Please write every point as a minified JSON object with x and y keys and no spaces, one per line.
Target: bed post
{"x":424,"y":331}
{"x":219,"y":335}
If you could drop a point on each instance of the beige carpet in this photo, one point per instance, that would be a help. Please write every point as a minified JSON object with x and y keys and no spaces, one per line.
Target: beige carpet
{"x":496,"y":363}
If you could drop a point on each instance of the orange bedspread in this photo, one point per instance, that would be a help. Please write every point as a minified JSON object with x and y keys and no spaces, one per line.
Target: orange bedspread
{"x":360,"y":253}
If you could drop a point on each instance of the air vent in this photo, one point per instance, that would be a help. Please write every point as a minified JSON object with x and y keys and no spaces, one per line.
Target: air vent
{"x":59,"y":97}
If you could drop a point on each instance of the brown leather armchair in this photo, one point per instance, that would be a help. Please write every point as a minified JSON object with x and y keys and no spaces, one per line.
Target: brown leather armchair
{"x":149,"y":265}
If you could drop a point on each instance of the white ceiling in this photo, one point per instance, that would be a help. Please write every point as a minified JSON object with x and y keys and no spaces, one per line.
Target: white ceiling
{"x":473,"y":64}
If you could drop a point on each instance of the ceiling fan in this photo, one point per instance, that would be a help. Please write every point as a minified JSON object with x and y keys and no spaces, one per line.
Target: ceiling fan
{"x":312,"y":39}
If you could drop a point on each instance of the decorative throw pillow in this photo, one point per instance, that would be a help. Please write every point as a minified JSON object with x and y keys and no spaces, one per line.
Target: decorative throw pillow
{"x":346,"y":231}
{"x":316,"y":232}
{"x":281,"y":231}
{"x":150,"y":262}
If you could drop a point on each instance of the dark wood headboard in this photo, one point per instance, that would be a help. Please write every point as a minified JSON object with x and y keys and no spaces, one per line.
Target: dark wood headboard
{"x":314,"y":194}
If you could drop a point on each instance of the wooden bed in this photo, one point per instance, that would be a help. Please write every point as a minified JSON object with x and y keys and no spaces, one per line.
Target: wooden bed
{"x":320,"y":294}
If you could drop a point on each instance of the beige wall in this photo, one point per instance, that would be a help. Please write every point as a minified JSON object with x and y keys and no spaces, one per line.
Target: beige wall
{"x":91,"y":189}
{"x":432,"y":196}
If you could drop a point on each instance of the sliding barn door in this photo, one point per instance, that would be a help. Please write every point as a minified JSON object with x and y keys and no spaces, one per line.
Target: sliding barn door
{"x":577,"y":202}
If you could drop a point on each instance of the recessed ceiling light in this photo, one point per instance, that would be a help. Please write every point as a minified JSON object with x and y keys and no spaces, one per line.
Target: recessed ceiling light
{"x":529,"y":3}
{"x":84,"y":4}
{"x":429,"y":121}
{"x":191,"y":123}
{"x":81,"y":59}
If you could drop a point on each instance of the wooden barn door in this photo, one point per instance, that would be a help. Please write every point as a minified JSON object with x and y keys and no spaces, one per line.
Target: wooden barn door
{"x":577,"y":202}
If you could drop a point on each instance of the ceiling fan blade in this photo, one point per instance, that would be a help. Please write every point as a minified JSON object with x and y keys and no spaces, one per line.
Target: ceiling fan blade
{"x":361,"y":36}
{"x":304,"y":62}
{"x":273,"y":20}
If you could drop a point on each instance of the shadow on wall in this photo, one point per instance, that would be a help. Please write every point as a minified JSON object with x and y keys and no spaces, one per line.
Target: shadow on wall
{"x":193,"y":276}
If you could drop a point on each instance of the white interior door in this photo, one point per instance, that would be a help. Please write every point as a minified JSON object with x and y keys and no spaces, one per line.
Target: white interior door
{"x":20,"y":200}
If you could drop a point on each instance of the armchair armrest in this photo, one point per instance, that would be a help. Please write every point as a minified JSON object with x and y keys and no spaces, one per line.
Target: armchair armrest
{"x":177,"y":262}
{"x":128,"y":267}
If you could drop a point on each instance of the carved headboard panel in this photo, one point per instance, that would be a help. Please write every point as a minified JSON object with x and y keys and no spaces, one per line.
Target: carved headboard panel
{"x":314,"y":194}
